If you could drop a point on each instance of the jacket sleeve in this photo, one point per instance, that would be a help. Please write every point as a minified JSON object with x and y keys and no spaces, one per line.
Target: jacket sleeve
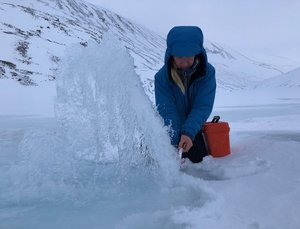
{"x":204,"y":96}
{"x":165,"y":102}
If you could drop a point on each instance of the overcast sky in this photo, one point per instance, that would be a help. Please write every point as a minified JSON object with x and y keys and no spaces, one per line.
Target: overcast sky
{"x":257,"y":26}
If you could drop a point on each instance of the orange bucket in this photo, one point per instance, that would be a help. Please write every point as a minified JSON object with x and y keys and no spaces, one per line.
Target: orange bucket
{"x":217,"y":137}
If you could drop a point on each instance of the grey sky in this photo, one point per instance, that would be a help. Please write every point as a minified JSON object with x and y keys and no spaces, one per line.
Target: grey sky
{"x":257,"y":26}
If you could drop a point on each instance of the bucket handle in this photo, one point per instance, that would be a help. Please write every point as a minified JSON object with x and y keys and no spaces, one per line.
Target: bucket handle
{"x":215,"y":119}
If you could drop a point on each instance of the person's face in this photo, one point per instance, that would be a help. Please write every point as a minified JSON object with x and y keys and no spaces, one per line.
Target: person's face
{"x":183,"y":62}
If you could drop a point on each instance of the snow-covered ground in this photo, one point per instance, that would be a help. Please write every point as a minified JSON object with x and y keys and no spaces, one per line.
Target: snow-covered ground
{"x":100,"y":158}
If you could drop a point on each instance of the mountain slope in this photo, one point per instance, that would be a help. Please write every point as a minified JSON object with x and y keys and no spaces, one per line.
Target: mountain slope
{"x":35,"y":33}
{"x":288,"y":80}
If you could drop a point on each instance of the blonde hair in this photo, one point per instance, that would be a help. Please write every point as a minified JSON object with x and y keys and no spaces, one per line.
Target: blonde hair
{"x":176,"y":78}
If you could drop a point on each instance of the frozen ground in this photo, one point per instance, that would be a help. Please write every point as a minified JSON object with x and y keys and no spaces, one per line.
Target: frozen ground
{"x":103,"y":161}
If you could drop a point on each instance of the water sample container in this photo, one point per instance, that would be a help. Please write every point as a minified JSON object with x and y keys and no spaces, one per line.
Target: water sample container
{"x":217,"y":137}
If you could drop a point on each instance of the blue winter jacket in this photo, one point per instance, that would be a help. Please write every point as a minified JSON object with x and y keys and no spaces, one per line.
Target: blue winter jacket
{"x":186,"y":113}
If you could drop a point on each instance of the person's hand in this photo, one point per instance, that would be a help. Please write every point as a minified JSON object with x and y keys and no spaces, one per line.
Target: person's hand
{"x":185,"y":143}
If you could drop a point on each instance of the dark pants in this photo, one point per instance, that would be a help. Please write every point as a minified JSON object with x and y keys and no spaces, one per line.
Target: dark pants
{"x":198,"y":150}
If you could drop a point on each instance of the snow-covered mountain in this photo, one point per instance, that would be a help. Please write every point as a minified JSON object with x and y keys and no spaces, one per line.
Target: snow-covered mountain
{"x":35,"y":33}
{"x":290,"y":79}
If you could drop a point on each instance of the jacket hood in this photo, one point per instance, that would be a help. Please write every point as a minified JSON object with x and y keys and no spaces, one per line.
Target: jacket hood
{"x":184,"y":41}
